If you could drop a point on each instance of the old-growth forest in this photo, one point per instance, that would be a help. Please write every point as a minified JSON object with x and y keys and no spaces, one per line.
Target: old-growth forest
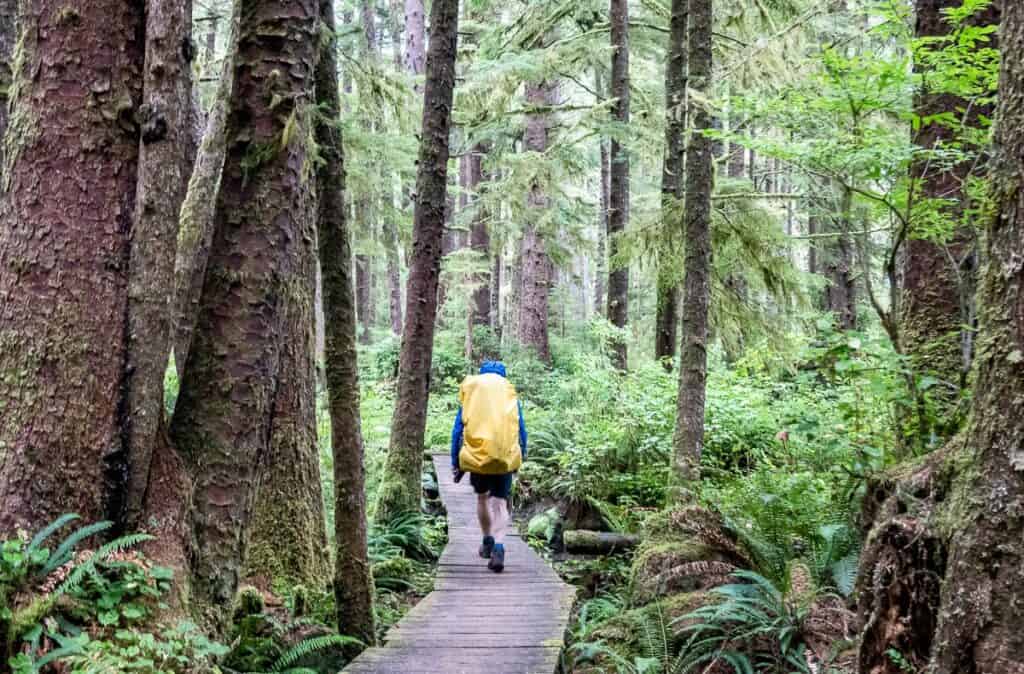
{"x":755,"y":269}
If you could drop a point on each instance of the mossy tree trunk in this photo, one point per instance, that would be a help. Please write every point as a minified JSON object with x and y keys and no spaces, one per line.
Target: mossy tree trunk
{"x":8,"y":36}
{"x":401,"y":490}
{"x":836,"y":258}
{"x":166,"y":156}
{"x":536,"y":268}
{"x":957,"y":517}
{"x":222,"y":423}
{"x":688,"y":442}
{"x":353,"y":582}
{"x":982,"y":607}
{"x":618,"y":179}
{"x":195,"y":230}
{"x":288,"y":541}
{"x":667,"y":318}
{"x":68,"y":197}
{"x":937,"y":278}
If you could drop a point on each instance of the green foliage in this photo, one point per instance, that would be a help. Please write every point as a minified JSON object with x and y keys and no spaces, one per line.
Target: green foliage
{"x":49,"y":599}
{"x":752,"y":627}
{"x":180,"y":649}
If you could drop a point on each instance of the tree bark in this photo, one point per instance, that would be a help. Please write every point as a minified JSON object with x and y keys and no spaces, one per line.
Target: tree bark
{"x":689,"y":433}
{"x":937,"y":279}
{"x":195,"y":226}
{"x":353,"y":582}
{"x":673,"y":163}
{"x":363,"y":298}
{"x":68,"y":198}
{"x":401,"y":490}
{"x":222,"y":422}
{"x":618,"y":189}
{"x":8,"y":38}
{"x":166,"y":157}
{"x":288,"y":541}
{"x":536,"y":269}
{"x":586,"y":542}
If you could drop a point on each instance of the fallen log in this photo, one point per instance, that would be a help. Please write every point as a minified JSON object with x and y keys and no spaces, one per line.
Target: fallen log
{"x":584,"y":541}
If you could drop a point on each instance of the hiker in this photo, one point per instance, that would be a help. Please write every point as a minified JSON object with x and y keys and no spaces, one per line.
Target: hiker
{"x":489,"y":443}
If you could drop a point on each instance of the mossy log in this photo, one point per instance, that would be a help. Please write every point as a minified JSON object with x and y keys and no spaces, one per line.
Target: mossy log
{"x":584,"y":541}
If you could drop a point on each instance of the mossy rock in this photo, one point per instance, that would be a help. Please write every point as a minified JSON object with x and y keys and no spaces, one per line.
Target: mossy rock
{"x":668,"y":568}
{"x":625,"y":634}
{"x":396,"y":567}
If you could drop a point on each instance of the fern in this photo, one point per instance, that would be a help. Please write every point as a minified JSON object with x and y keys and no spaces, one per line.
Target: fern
{"x":48,"y":531}
{"x":751,"y":627}
{"x":66,"y":549}
{"x":312,"y":645}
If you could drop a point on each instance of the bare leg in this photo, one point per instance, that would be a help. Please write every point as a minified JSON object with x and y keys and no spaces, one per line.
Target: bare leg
{"x":499,"y":518}
{"x":483,"y":514}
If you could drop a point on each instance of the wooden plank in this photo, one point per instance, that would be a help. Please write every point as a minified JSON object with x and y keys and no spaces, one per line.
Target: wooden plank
{"x":476,"y":621}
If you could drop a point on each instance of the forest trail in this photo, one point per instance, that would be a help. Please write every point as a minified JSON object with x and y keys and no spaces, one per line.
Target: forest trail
{"x":476,"y":621}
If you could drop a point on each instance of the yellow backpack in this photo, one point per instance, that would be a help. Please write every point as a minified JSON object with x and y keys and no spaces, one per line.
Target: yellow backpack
{"x":490,"y":419}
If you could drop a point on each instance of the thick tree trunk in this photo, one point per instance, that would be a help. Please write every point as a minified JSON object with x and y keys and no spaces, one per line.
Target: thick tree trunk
{"x":8,"y":37}
{"x":480,"y":240}
{"x":689,"y":434}
{"x":673,"y":163}
{"x":288,"y":541}
{"x":982,"y":602}
{"x":166,"y":157}
{"x":536,"y":269}
{"x":353,"y":583}
{"x":937,"y":278}
{"x":64,"y":246}
{"x":222,"y":423}
{"x":980,"y":607}
{"x":618,"y":188}
{"x":195,"y":227}
{"x":401,"y":490}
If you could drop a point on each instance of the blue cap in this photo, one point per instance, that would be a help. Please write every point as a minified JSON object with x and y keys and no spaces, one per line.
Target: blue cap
{"x":493,"y":367}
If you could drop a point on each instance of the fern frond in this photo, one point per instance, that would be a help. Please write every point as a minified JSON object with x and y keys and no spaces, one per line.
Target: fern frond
{"x":48,"y":531}
{"x":312,"y":645}
{"x":64,"y":551}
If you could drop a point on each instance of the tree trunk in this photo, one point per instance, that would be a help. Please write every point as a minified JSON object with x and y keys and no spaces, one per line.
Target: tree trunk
{"x":8,"y":37}
{"x":937,"y":278}
{"x":689,"y":434}
{"x":480,"y":240}
{"x":536,"y":269}
{"x":673,"y":164}
{"x":618,"y":188}
{"x":363,"y":298}
{"x":980,"y":609}
{"x":288,"y":542}
{"x":166,"y":157}
{"x":353,"y":583}
{"x":496,"y":280}
{"x":195,"y":226}
{"x":401,"y":490}
{"x":841,"y":291}
{"x":600,"y":300}
{"x":64,"y":246}
{"x":586,"y":542}
{"x":222,"y":423}
{"x":415,"y":57}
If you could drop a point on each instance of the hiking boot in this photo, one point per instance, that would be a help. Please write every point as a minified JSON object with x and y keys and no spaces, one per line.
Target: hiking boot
{"x":486,"y":547}
{"x":497,"y":562}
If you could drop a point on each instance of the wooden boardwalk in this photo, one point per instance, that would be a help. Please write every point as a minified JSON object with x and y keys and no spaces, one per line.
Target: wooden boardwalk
{"x":476,"y":621}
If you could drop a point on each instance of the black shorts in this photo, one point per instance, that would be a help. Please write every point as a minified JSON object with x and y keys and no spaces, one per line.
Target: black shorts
{"x":497,"y":486}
